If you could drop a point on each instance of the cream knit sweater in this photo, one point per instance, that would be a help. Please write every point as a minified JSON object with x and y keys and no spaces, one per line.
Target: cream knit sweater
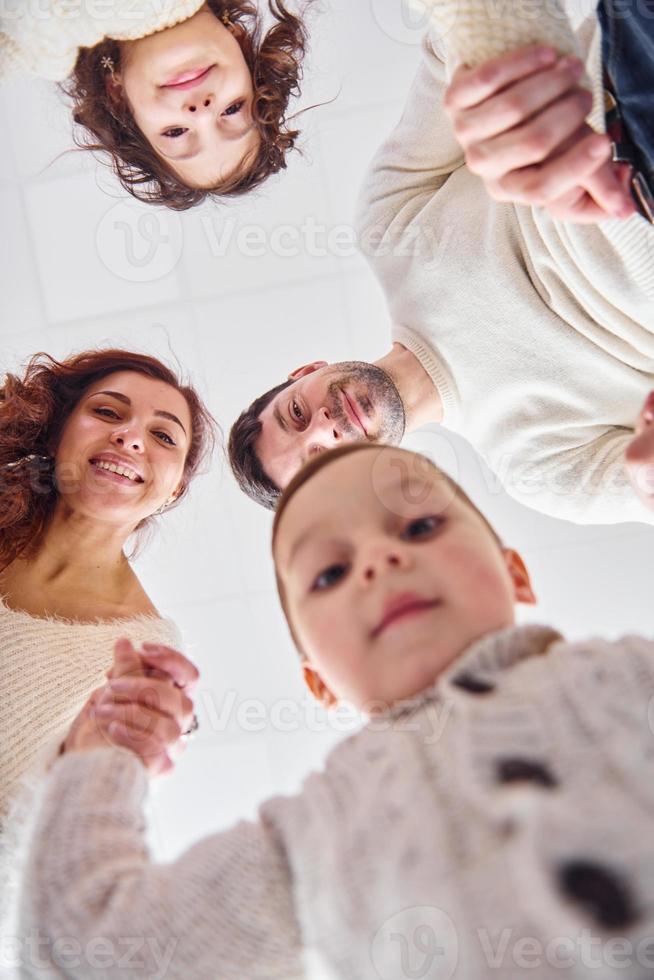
{"x":538,"y":334}
{"x":504,"y":817}
{"x":42,"y":37}
{"x":50,"y":667}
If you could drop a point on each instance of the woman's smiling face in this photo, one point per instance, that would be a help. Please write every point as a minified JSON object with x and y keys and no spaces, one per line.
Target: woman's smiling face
{"x":190,"y":92}
{"x":122,"y":450}
{"x":388,"y":576}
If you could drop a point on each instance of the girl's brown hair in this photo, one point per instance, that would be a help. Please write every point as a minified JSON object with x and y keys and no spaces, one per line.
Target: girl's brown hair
{"x":275,"y":63}
{"x":33,"y":411}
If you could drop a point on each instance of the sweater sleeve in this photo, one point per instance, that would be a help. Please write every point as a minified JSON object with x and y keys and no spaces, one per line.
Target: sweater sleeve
{"x":413,"y":163}
{"x":478,"y":31}
{"x":101,"y":908}
{"x":586,"y":484}
{"x":610,"y":686}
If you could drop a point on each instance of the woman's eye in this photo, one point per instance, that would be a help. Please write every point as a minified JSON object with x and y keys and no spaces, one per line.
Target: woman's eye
{"x":166,"y":438}
{"x":421,"y":527}
{"x":233,"y":109}
{"x":107,"y":412}
{"x":330,"y":576}
{"x":175,"y":132}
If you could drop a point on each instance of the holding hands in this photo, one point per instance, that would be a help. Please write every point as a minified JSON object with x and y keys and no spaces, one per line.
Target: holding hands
{"x":520,"y":121}
{"x":639,"y":456}
{"x":144,"y":706}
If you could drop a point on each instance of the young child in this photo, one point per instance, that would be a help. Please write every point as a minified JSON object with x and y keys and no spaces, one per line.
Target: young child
{"x":493,"y":817}
{"x":188,"y":98}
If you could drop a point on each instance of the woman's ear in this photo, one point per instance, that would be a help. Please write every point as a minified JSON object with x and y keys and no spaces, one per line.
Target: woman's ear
{"x":520,"y":576}
{"x":317,"y":686}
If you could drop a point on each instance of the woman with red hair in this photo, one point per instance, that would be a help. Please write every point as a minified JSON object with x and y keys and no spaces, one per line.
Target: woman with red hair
{"x":92,"y":449}
{"x":188,"y":98}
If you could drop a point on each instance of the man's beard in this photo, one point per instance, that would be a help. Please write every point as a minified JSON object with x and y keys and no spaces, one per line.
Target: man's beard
{"x":375,"y":390}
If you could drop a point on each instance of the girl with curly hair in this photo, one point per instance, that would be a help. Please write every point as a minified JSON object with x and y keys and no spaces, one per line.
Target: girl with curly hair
{"x":187,"y":98}
{"x":92,"y":448}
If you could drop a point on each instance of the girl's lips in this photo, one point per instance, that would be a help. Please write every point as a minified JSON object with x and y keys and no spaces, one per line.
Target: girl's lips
{"x":188,"y":79}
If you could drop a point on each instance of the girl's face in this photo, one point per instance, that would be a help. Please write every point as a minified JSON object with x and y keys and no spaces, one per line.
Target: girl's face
{"x":130,"y":423}
{"x":190,"y":92}
{"x":389,"y":576}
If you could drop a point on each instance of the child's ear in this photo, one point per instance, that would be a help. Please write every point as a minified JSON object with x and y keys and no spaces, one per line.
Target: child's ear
{"x":317,"y":686}
{"x":520,"y":575}
{"x":113,"y":86}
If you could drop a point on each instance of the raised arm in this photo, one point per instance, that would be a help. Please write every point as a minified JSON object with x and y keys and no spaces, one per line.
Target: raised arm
{"x":587,"y":484}
{"x":95,"y":905}
{"x":521,"y":122}
{"x":415,"y":160}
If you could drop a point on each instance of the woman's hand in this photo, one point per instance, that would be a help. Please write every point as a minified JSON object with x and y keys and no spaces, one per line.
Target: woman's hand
{"x":520,"y":121}
{"x":639,"y":455}
{"x":144,"y":706}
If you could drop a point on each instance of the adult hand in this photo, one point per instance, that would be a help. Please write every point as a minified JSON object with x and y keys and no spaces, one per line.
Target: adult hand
{"x":145,"y":706}
{"x":639,"y":455}
{"x":520,"y":121}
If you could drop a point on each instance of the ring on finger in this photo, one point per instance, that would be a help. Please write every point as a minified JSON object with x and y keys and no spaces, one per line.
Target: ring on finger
{"x":195,"y":724}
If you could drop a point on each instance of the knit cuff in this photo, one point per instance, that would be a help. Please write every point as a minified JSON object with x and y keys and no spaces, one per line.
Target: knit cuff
{"x":474,"y":32}
{"x":99,"y":777}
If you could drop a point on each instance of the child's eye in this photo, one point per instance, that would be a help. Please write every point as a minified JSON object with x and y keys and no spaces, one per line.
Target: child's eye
{"x":175,"y":132}
{"x":233,"y":109}
{"x":108,"y":412}
{"x":421,"y":527}
{"x":330,"y":576}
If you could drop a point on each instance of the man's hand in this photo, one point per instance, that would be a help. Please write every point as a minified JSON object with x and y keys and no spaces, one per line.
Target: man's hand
{"x":639,"y":455}
{"x":520,"y":121}
{"x":145,"y":706}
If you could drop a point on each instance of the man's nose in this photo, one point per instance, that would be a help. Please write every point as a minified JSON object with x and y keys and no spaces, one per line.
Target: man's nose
{"x":324,"y":428}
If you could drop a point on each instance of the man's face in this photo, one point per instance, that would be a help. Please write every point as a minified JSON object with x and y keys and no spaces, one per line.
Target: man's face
{"x":327,"y":405}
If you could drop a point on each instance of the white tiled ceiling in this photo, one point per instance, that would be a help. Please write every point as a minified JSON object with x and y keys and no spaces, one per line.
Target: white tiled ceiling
{"x":237,"y":294}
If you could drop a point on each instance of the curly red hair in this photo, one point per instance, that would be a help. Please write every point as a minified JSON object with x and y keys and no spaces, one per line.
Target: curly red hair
{"x":275,"y":63}
{"x":33,"y":411}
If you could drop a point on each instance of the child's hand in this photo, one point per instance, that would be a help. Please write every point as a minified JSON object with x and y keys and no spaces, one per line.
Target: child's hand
{"x":520,"y":121}
{"x":144,"y":707}
{"x":639,"y":455}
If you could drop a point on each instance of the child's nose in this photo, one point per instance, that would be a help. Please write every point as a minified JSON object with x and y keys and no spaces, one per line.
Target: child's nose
{"x":380,"y":562}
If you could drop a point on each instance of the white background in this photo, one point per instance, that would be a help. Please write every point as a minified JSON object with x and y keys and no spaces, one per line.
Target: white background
{"x":74,"y":277}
